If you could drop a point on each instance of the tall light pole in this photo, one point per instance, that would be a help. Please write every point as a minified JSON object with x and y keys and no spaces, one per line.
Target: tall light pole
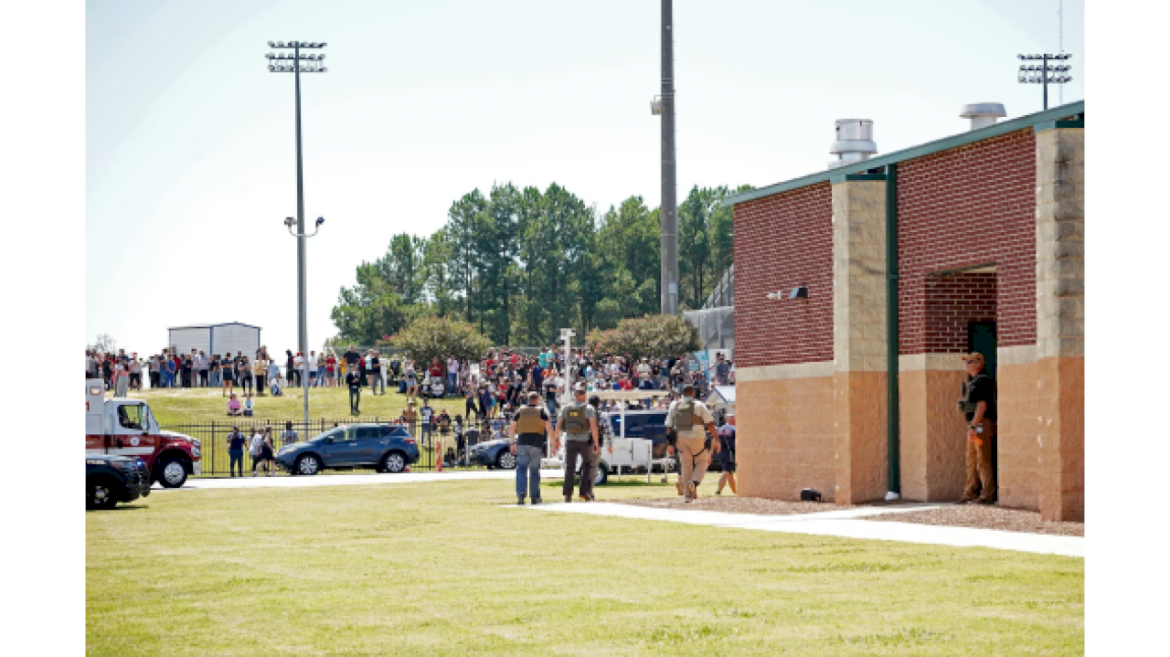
{"x":1043,"y":73}
{"x":664,"y":105}
{"x":297,"y":64}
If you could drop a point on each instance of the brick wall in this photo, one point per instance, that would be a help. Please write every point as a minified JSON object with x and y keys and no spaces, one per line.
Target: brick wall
{"x":967,"y":206}
{"x":783,"y":241}
{"x":951,"y":302}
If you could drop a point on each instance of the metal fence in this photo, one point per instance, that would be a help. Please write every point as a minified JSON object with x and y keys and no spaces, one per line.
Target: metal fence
{"x":214,"y":438}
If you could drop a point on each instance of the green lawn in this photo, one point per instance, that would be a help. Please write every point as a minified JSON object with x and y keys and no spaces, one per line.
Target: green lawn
{"x":445,"y":568}
{"x":174,"y":406}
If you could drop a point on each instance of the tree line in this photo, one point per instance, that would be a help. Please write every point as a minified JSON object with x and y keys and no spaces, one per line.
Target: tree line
{"x":520,"y":264}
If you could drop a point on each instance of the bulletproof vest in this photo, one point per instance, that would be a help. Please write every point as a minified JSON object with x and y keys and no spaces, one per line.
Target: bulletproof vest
{"x":685,"y":416}
{"x":528,"y":420}
{"x":575,"y":420}
{"x":966,"y":404}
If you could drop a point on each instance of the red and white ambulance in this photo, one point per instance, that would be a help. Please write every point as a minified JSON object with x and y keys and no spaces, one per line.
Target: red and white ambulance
{"x":127,"y":427}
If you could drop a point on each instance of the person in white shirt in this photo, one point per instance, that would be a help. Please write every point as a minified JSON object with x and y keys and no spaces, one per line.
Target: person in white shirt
{"x":313,"y":369}
{"x":299,"y":366}
{"x":452,"y":375}
{"x":690,"y":420}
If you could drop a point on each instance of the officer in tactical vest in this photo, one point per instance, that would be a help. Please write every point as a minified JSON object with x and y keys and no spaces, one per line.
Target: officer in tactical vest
{"x":529,"y":428}
{"x":577,"y":422}
{"x":978,"y":406}
{"x":691,"y":419}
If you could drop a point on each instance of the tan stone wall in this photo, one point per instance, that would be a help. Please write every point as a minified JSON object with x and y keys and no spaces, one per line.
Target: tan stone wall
{"x":932,"y":458}
{"x":1020,"y":428}
{"x":785,"y":436}
{"x":1060,"y":321}
{"x":860,"y":340}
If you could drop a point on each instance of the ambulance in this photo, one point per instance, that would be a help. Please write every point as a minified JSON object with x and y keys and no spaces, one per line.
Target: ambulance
{"x":126,"y":427}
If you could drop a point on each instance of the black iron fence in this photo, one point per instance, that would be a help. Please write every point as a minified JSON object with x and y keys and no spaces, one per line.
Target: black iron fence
{"x":452,"y":446}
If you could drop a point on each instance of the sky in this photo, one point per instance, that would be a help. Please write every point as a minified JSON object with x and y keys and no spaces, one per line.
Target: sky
{"x":191,"y":160}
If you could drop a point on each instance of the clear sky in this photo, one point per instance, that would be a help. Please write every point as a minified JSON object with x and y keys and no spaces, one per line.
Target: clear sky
{"x":190,"y":158}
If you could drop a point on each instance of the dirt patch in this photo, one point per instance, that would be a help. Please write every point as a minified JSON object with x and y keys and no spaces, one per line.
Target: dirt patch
{"x":986,"y":517}
{"x":732,"y":504}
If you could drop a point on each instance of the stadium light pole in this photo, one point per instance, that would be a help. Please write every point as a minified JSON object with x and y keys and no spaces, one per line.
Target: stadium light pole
{"x":297,"y":64}
{"x":663,"y":106}
{"x":1043,"y":73}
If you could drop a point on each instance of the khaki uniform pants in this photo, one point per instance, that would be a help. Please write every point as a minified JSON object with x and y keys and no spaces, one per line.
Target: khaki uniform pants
{"x":692,"y":463}
{"x":979,"y":466}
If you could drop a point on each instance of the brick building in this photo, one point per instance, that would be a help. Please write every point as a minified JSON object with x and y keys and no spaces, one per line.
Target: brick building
{"x":979,"y":239}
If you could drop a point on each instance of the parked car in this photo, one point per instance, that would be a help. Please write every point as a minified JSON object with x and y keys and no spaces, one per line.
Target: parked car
{"x":493,"y":454}
{"x":384,"y":447}
{"x":110,"y":479}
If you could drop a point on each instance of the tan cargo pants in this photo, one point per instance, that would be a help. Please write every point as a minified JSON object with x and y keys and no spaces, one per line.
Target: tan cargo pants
{"x":979,"y":466}
{"x":693,"y":460}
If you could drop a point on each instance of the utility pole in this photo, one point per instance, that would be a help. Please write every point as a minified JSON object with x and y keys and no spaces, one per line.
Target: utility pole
{"x":669,"y":209}
{"x":312,"y":63}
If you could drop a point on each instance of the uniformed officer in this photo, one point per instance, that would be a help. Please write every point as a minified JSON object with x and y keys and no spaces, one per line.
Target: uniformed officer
{"x":577,"y":422}
{"x":978,"y":406}
{"x":529,"y":428}
{"x":690,"y":419}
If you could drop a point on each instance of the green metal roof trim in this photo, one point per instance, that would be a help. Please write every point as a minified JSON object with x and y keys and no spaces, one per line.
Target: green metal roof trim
{"x":914,"y":152}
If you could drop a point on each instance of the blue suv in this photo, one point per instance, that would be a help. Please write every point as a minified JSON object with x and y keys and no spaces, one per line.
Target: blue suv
{"x":384,"y":447}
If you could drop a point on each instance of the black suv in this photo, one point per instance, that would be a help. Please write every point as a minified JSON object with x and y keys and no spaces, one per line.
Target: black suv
{"x":111,"y":479}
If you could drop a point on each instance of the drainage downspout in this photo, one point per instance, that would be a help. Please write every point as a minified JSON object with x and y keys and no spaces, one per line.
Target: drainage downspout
{"x":892,"y":428}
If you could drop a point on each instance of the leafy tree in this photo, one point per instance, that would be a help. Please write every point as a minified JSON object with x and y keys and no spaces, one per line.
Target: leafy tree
{"x":652,"y":336}
{"x":441,"y":337}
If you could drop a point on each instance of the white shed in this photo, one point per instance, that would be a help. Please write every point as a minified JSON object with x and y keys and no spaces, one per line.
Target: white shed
{"x":227,"y":338}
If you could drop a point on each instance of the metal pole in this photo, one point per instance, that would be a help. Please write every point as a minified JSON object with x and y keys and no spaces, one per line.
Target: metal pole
{"x":893,"y":428}
{"x":669,"y":211}
{"x":1044,"y":71}
{"x":303,"y":324}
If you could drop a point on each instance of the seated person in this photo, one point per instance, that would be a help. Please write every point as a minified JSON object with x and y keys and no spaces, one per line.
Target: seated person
{"x":248,"y":405}
{"x":449,"y":458}
{"x":233,"y":405}
{"x":277,"y":386}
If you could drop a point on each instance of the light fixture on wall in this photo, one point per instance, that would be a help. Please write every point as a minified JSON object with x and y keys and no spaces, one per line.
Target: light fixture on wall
{"x":799,"y":292}
{"x":776,"y":295}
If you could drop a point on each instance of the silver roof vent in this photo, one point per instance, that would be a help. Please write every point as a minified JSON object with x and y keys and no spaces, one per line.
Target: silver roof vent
{"x":854,"y":142}
{"x":983,"y":114}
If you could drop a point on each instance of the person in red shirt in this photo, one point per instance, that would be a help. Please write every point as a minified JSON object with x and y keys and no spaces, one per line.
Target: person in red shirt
{"x":331,"y":370}
{"x":625,"y":383}
{"x":435,"y":371}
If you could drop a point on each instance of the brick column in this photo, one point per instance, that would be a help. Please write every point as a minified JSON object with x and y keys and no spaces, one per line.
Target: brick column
{"x":859,"y":338}
{"x":1060,"y":318}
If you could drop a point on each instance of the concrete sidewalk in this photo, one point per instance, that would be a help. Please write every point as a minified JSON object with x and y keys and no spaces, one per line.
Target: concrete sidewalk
{"x":843,"y":523}
{"x":371,"y":479}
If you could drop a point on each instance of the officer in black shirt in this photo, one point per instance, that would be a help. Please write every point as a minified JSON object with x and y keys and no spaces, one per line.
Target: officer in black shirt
{"x":529,"y":429}
{"x":978,"y":406}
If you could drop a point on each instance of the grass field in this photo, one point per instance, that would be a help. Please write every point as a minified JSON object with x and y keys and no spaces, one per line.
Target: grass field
{"x":174,"y":406}
{"x":445,"y":568}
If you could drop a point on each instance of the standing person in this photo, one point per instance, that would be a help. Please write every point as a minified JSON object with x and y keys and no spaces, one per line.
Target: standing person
{"x":299,"y":367}
{"x":351,"y":359}
{"x":227,"y":374}
{"x":527,"y":438}
{"x":136,"y":374}
{"x":469,"y":393}
{"x":273,"y":371}
{"x":290,"y":367}
{"x":235,"y":443}
{"x":289,"y":435}
{"x":267,"y":453}
{"x":452,"y":376}
{"x":443,"y":423}
{"x":577,"y":422}
{"x":354,"y":381}
{"x":427,"y":413}
{"x":169,"y":373}
{"x":260,"y":372}
{"x":121,"y":376}
{"x":374,"y":373}
{"x":689,"y":417}
{"x":727,"y":455}
{"x":244,"y":374}
{"x":204,"y":370}
{"x":155,"y":371}
{"x":331,"y":370}
{"x":978,"y":406}
{"x":256,"y":449}
{"x":552,"y":387}
{"x":411,"y":381}
{"x":312,"y":369}
{"x":410,"y":417}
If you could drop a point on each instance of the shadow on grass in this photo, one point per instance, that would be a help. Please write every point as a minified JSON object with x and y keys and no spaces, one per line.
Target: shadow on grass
{"x":612,"y":483}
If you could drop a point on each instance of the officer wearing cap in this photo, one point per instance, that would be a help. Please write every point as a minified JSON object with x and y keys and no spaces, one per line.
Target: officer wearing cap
{"x":577,"y":422}
{"x":528,"y":431}
{"x":691,"y":419}
{"x":978,"y":406}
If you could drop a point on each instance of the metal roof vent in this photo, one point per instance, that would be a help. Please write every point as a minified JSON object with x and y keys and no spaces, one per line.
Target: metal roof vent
{"x":854,"y":142}
{"x":983,"y":114}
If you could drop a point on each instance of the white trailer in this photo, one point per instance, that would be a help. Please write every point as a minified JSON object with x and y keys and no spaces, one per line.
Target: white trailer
{"x":227,"y":338}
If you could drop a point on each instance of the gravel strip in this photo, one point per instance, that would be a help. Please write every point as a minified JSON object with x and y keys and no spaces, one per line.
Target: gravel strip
{"x":986,"y":517}
{"x":732,"y":504}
